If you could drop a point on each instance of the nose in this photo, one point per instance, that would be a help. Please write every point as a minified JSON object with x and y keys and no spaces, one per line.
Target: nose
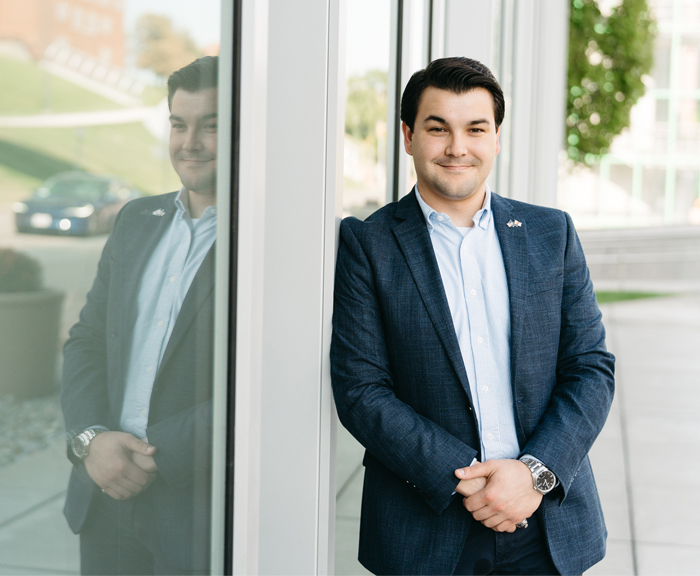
{"x":457,"y":145}
{"x":192,"y":140}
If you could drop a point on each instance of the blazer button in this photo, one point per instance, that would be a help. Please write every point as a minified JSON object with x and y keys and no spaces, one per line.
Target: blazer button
{"x":470,"y":409}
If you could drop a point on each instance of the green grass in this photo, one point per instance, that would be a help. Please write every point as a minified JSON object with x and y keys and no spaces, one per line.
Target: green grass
{"x":26,"y":89}
{"x":607,"y":297}
{"x":152,"y":95}
{"x":30,"y":155}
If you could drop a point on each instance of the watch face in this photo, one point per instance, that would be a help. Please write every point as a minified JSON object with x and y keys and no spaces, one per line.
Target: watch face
{"x":545,"y":481}
{"x":78,"y":447}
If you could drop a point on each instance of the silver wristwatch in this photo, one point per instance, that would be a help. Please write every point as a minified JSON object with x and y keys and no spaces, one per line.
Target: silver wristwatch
{"x":542,"y":477}
{"x":80,"y":445}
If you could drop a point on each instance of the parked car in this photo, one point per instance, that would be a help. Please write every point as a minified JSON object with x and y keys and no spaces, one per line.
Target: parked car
{"x":74,"y":203}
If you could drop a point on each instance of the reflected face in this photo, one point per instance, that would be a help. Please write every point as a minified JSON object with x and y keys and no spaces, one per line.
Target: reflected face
{"x":193,"y":133}
{"x":454,"y":142}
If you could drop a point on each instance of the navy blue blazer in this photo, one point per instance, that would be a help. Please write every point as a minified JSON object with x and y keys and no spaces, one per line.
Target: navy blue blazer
{"x":174,"y":511}
{"x":401,"y":388}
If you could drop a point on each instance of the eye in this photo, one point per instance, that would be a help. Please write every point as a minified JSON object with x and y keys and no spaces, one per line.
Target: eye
{"x":178,"y":126}
{"x":436,"y":129}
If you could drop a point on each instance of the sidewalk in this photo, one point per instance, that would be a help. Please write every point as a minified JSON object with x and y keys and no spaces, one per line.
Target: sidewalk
{"x":646,"y":460}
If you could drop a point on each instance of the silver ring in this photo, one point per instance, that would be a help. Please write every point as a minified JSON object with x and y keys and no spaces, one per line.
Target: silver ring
{"x":522,"y":524}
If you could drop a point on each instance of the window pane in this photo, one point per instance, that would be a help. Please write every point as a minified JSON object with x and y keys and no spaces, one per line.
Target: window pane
{"x":106,"y":284}
{"x":365,"y":169}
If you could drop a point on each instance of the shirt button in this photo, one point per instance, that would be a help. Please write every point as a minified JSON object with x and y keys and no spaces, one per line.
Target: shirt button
{"x":485,"y":388}
{"x":213,"y":210}
{"x":473,"y":292}
{"x":149,"y":368}
{"x":160,"y":323}
{"x":440,"y":218}
{"x":479,"y":339}
{"x":172,"y":278}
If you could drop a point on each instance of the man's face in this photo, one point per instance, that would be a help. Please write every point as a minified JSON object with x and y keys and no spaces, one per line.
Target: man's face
{"x":193,"y":128}
{"x":454,"y":142}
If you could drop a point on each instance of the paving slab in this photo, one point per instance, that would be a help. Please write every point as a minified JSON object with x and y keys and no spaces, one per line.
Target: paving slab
{"x":666,"y":559}
{"x":41,"y":542}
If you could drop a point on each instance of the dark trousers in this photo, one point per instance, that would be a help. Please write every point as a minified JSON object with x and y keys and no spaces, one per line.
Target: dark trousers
{"x":110,"y":542}
{"x":521,"y":552}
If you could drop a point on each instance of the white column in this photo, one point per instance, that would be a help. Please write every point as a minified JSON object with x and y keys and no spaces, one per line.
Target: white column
{"x":250,"y":276}
{"x":303,"y":178}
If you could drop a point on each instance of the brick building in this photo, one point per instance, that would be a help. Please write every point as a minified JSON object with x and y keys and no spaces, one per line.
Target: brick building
{"x":94,"y":27}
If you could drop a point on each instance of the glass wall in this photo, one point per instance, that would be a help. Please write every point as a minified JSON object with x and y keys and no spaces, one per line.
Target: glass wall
{"x":651,"y":175}
{"x":97,"y":166}
{"x":367,"y":70}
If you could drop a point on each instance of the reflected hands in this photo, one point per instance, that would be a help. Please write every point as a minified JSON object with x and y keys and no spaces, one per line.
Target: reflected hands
{"x":121,"y":464}
{"x":507,"y":498}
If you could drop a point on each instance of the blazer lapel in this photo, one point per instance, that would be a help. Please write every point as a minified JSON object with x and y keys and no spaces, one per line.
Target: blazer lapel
{"x":412,"y":235}
{"x":132,"y":250}
{"x":513,"y":240}
{"x":202,"y":286}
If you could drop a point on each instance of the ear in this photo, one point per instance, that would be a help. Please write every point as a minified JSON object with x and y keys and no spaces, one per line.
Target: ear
{"x":498,"y":140}
{"x":407,"y":138}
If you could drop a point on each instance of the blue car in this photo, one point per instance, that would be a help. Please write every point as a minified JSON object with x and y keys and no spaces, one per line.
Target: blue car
{"x":73,"y":203}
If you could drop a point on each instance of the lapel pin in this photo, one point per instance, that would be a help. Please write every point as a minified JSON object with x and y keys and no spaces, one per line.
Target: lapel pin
{"x":161,"y":212}
{"x":513,"y":223}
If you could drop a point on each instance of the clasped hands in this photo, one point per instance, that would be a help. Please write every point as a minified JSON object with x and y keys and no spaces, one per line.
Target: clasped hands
{"x":498,"y":493}
{"x":121,"y":464}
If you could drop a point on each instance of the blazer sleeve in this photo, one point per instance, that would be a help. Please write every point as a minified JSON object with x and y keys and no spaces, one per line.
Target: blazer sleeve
{"x":585,"y":380}
{"x":415,"y":448}
{"x":84,"y":395}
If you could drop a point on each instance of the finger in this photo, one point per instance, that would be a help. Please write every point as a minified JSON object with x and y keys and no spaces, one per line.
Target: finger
{"x":129,"y":485}
{"x":146,"y":463}
{"x":506,"y":526}
{"x":136,"y":445}
{"x":118,"y":492}
{"x":480,"y":469}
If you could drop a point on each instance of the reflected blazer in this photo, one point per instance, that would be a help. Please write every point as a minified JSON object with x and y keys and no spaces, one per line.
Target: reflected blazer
{"x":174,"y":510}
{"x":401,"y":387}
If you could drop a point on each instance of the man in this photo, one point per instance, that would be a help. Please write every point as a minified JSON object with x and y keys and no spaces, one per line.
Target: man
{"x":137,"y":377}
{"x":468,"y":357}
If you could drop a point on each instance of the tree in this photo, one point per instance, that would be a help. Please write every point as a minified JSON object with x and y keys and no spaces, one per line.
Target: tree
{"x":160,"y":47}
{"x":366,"y":105}
{"x":608,"y":58}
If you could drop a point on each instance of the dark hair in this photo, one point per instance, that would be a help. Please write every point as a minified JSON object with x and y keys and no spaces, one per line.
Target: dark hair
{"x":456,"y":74}
{"x":201,"y":74}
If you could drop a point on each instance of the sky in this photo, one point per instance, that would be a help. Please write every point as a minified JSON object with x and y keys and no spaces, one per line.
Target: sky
{"x":367,"y":36}
{"x":367,"y":26}
{"x":201,"y":18}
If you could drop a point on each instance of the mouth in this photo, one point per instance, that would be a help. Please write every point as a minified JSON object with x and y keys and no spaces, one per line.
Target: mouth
{"x":456,"y":167}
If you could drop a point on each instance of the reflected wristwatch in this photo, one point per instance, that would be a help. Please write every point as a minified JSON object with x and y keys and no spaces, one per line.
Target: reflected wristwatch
{"x":80,"y":444}
{"x":543,"y":478}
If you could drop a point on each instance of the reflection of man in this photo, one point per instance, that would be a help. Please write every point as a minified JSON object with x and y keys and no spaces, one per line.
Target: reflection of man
{"x":465,"y":329}
{"x":138,"y":365}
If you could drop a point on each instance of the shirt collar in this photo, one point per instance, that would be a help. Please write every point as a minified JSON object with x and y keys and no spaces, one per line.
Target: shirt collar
{"x":481,"y":218}
{"x":182,"y":202}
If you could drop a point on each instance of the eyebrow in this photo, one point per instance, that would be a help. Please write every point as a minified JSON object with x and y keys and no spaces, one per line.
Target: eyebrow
{"x":443,"y":121}
{"x":205,"y":117}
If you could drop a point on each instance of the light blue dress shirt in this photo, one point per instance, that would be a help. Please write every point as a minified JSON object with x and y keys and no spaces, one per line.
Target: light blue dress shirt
{"x":474,"y":278}
{"x":164,"y":285}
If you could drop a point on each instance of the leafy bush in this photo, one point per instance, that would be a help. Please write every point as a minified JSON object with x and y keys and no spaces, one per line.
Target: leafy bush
{"x":607,"y":59}
{"x":19,"y":272}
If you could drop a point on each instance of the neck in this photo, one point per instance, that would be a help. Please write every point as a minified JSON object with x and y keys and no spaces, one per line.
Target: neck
{"x":460,"y":210}
{"x":199,"y":202}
